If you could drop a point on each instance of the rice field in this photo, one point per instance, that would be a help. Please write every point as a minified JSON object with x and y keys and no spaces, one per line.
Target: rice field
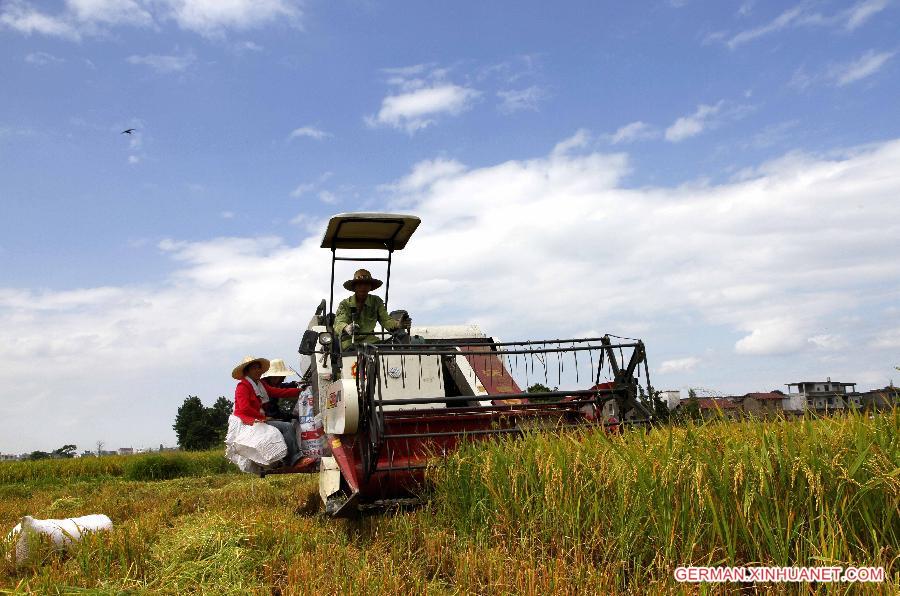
{"x":572,"y":514}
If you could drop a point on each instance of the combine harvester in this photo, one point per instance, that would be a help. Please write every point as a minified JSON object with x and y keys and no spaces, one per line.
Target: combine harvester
{"x":390,"y":406}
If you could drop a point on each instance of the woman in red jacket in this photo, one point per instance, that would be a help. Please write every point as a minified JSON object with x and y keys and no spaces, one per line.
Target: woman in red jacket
{"x":251,"y":393}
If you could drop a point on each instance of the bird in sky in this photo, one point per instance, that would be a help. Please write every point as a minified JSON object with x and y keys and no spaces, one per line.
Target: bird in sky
{"x":128,"y":132}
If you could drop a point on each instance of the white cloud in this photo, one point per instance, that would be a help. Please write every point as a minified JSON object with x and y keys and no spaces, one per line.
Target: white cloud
{"x":133,"y":159}
{"x":415,"y":110}
{"x":634,"y":131}
{"x":511,"y":71}
{"x":411,"y":71}
{"x":690,"y":126}
{"x":801,"y":80}
{"x":227,"y":215}
{"x":328,"y":197}
{"x":887,"y":340}
{"x":867,"y":65}
{"x":746,"y":8}
{"x":165,"y":64}
{"x":309,"y":131}
{"x":828,"y":341}
{"x":248,"y":46}
{"x":302,"y":189}
{"x":42,"y":59}
{"x":579,"y":140}
{"x":772,"y":134}
{"x":861,"y":12}
{"x":802,"y":16}
{"x":783,"y":20}
{"x":110,"y":12}
{"x":212,"y":18}
{"x":517,"y":100}
{"x":541,"y":247}
{"x":425,"y":173}
{"x":21,"y":17}
{"x":679,"y":365}
{"x":307,"y":187}
{"x":775,"y":336}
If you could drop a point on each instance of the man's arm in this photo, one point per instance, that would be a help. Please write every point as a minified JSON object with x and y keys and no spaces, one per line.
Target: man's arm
{"x":385,"y":319}
{"x":342,"y":317}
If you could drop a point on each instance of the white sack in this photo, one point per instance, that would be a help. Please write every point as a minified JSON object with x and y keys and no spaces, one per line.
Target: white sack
{"x":311,"y":436}
{"x":259,"y":443}
{"x":304,"y":406}
{"x":62,"y":532}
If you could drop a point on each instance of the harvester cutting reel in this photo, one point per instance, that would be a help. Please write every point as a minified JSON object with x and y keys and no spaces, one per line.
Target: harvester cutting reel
{"x":403,"y":404}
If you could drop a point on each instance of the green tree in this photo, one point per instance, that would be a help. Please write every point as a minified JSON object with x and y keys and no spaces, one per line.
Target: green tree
{"x":541,"y":388}
{"x":689,"y":408}
{"x":38,"y":455}
{"x":198,"y":427}
{"x":65,"y":451}
{"x":217,"y":416}
{"x":659,"y":408}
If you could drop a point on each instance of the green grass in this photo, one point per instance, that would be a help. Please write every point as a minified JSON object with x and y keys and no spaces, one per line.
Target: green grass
{"x":149,"y":466}
{"x":579,"y":513}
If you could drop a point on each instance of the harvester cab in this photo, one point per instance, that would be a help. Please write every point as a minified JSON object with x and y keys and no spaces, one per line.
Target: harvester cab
{"x":391,"y":405}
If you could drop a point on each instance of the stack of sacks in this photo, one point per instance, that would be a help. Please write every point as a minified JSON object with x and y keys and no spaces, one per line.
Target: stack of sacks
{"x":253,"y":447}
{"x":62,"y":532}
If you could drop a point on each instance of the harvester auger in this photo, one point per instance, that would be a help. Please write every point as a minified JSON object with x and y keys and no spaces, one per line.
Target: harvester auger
{"x":390,"y":406}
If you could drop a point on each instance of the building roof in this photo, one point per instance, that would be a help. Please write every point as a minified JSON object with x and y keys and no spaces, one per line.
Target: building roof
{"x":713,"y":404}
{"x":768,"y":395}
{"x":819,"y":383}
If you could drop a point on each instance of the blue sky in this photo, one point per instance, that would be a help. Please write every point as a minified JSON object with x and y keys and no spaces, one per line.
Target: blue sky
{"x":743,"y":155}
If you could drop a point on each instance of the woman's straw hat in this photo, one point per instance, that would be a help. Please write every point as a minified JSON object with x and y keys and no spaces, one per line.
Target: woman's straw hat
{"x":362,"y":275}
{"x":238,"y":371}
{"x":278,"y":369}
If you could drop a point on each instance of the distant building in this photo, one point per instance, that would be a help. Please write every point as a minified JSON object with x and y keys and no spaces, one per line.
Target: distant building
{"x":8,"y":457}
{"x":820,"y":396}
{"x":761,"y":405}
{"x":126,"y":451}
{"x":880,"y":399}
{"x":718,"y":407}
{"x":610,"y":410}
{"x":671,"y":397}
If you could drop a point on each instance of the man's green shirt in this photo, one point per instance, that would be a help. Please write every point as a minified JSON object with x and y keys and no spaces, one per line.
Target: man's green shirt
{"x":373,"y":311}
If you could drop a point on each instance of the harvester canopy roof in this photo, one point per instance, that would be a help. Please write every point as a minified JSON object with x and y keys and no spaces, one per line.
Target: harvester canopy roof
{"x":385,"y":231}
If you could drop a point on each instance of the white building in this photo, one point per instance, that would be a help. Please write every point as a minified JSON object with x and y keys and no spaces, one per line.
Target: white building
{"x":820,"y":396}
{"x":671,"y":397}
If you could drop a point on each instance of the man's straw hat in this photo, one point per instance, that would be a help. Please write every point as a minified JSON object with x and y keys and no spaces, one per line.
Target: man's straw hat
{"x":362,"y":275}
{"x":278,"y":369}
{"x":238,"y":371}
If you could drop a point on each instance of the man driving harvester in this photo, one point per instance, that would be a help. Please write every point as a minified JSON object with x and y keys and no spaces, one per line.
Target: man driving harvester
{"x":356,"y":316}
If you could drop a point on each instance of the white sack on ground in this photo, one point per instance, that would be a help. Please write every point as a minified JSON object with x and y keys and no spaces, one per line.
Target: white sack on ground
{"x":259,"y":443}
{"x":62,"y":532}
